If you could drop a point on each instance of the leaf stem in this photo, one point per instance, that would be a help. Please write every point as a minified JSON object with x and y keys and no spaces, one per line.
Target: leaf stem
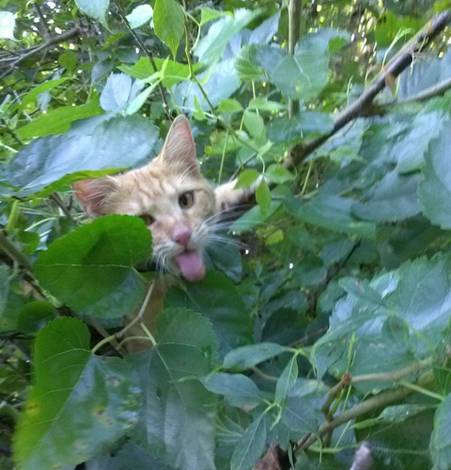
{"x":145,"y":51}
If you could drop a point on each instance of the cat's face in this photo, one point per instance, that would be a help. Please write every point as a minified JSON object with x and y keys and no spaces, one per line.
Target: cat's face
{"x":171,"y":196}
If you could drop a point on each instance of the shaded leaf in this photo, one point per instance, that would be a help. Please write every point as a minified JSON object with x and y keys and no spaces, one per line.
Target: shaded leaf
{"x":58,"y":120}
{"x":91,"y":268}
{"x":99,"y":143}
{"x":237,"y":389}
{"x":246,"y":357}
{"x":440,"y":445}
{"x":94,"y":401}
{"x":211,"y":47}
{"x":251,"y":445}
{"x":435,"y":190}
{"x":178,"y":415}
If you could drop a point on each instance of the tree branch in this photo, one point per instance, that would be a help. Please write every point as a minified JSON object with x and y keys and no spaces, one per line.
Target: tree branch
{"x":399,"y":63}
{"x":374,"y":403}
{"x":14,"y":61}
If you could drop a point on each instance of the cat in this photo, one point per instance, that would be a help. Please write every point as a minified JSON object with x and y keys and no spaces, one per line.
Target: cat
{"x":179,"y":206}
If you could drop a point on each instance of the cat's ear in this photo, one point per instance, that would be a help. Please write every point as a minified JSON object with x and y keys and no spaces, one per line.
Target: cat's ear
{"x":92,"y":193}
{"x":179,"y":147}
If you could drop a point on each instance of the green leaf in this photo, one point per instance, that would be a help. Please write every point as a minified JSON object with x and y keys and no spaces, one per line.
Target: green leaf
{"x":263,"y":104}
{"x":247,"y":177}
{"x":238,"y":389}
{"x":96,"y":9}
{"x":100,"y":143}
{"x":209,"y":14}
{"x":440,"y":446}
{"x":389,"y":29}
{"x":304,"y":74}
{"x":178,"y":415}
{"x":7,"y":25}
{"x":35,"y":315}
{"x":79,"y":403}
{"x":229,"y":106}
{"x":278,"y":174}
{"x":91,"y":268}
{"x":219,"y":82}
{"x":211,"y":47}
{"x":251,"y":445}
{"x":254,"y":217}
{"x":169,"y":23}
{"x":263,"y":197}
{"x":140,"y":15}
{"x":435,"y":190}
{"x":284,"y":130}
{"x":410,"y":149}
{"x":331,"y":212}
{"x":392,"y":199}
{"x":31,"y":96}
{"x":287,"y":379}
{"x":302,"y":411}
{"x":246,"y":357}
{"x":255,"y":126}
{"x":219,"y":300}
{"x":116,"y":92}
{"x":58,"y":120}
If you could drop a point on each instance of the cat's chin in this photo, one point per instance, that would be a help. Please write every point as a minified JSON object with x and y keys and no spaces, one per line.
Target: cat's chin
{"x":191,"y":265}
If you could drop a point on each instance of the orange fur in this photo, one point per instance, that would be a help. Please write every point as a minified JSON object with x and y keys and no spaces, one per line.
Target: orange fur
{"x":181,"y":228}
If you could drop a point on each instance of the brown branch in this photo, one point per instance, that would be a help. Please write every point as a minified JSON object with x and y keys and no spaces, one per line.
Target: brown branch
{"x":372,"y":404}
{"x":34,"y":50}
{"x":398,"y":64}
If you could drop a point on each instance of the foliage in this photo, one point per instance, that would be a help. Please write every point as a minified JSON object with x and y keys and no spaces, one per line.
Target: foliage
{"x":331,"y":326}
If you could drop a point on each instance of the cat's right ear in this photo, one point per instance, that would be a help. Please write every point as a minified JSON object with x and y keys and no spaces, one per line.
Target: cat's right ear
{"x":179,"y":148}
{"x":93,"y":193}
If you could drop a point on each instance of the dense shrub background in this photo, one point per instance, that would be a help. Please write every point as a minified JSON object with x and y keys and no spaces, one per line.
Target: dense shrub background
{"x":328,"y":327}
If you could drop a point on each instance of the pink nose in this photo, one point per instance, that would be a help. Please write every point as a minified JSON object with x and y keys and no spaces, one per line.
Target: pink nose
{"x":182,"y":235}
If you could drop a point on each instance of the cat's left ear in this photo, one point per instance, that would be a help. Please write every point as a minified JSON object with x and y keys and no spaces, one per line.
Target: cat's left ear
{"x":179,"y":147}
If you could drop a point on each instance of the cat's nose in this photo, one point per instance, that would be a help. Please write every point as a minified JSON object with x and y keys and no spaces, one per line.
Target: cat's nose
{"x":182,"y":235}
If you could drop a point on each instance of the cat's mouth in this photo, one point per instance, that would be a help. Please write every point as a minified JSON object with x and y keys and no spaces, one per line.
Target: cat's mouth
{"x":191,"y":265}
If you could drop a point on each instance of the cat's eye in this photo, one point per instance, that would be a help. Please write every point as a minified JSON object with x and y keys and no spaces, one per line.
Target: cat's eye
{"x":186,"y":200}
{"x":148,"y":219}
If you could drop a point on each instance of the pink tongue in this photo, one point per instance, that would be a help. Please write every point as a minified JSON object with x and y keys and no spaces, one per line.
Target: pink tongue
{"x":191,"y":265}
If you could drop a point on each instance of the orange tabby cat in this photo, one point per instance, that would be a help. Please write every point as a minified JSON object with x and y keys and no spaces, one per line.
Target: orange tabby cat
{"x":177,"y":203}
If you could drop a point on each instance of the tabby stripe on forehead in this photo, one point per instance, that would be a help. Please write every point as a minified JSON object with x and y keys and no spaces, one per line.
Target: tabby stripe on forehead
{"x":144,"y":191}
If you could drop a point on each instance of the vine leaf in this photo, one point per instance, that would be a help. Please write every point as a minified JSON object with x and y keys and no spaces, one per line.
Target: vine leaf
{"x":79,"y":403}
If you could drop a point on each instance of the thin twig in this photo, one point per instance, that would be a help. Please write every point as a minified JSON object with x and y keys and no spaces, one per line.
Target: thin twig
{"x":373,"y":403}
{"x":435,"y":90}
{"x":55,"y":197}
{"x":34,"y":50}
{"x":294,"y":30}
{"x":397,"y":65}
{"x":395,"y":375}
{"x":145,"y":51}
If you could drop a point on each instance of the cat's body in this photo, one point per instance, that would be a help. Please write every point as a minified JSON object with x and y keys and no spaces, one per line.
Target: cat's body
{"x":177,"y":203}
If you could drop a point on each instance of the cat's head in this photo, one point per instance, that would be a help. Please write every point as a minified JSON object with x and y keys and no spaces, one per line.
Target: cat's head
{"x":170,"y":195}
